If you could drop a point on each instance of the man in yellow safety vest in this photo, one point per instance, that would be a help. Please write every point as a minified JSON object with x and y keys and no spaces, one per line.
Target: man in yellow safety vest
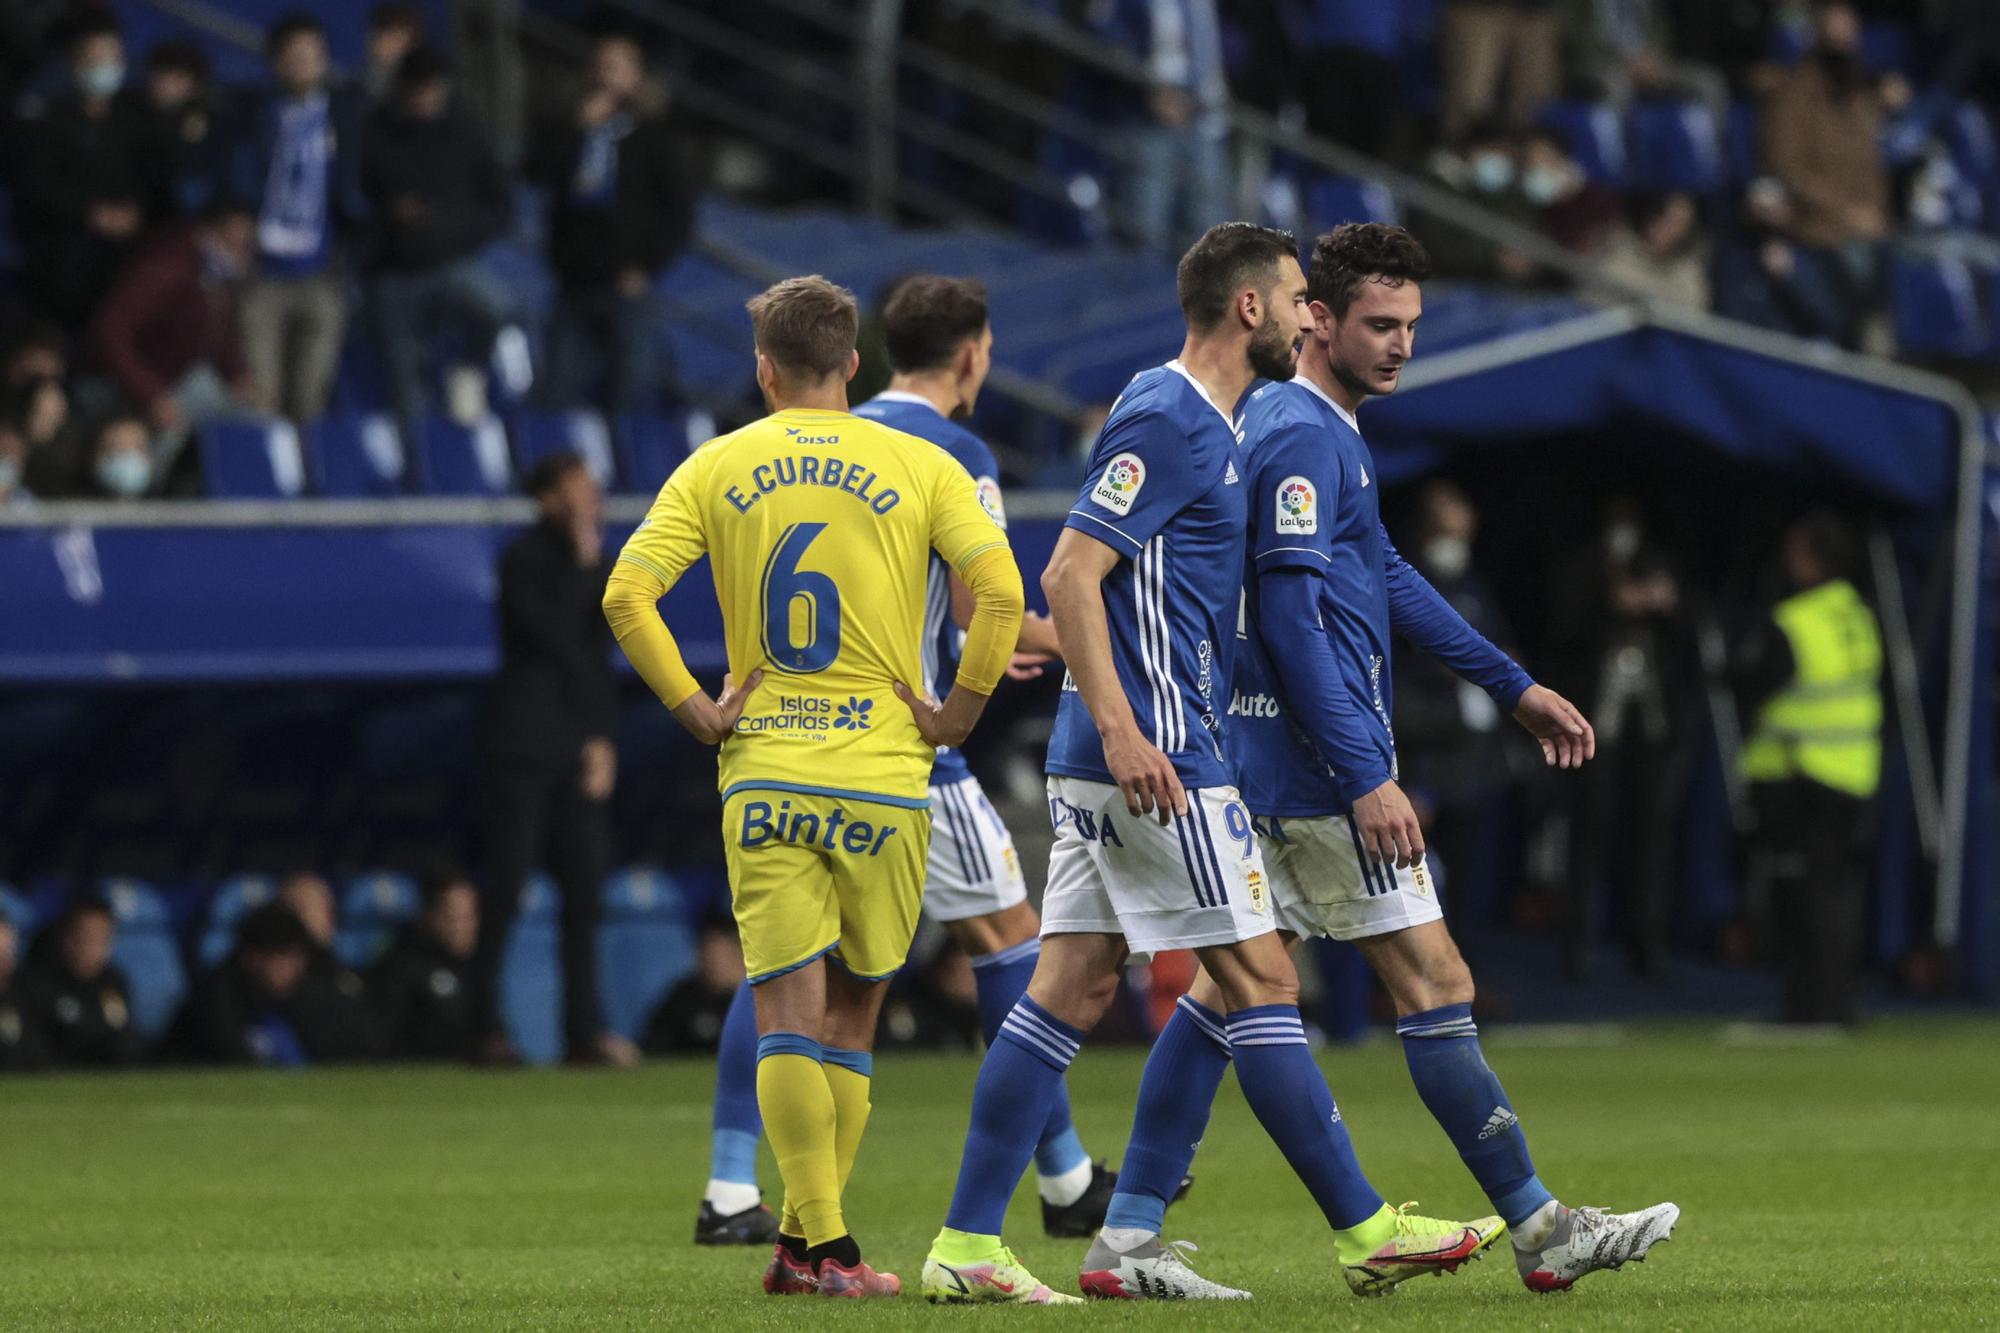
{"x":1811,"y":677}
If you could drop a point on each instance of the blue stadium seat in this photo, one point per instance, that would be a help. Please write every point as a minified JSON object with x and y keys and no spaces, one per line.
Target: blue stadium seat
{"x":1743,"y":151}
{"x":643,"y":947}
{"x":1937,"y":309}
{"x":1674,"y":146}
{"x":584,"y":433}
{"x":358,"y":455}
{"x":454,"y":460}
{"x":1331,"y":200}
{"x":531,"y":976}
{"x":252,"y":460}
{"x":146,"y":951}
{"x":1594,"y":136}
{"x":19,"y":913}
{"x":651,"y":447}
{"x":232,"y":899}
{"x":373,"y":906}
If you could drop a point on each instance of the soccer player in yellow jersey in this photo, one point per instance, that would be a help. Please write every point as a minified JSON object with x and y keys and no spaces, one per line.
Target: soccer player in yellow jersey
{"x":819,"y":526}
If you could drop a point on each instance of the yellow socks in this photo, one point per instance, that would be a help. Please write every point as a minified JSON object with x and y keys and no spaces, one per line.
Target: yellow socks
{"x":799,"y":1119}
{"x":849,"y":1074}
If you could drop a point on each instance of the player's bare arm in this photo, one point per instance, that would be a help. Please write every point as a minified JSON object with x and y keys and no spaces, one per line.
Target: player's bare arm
{"x":1074,"y":585}
{"x":1565,"y":733}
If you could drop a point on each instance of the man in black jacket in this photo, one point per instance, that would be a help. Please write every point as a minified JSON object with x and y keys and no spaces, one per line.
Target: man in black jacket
{"x":245,"y":1011}
{"x":551,"y":765}
{"x":424,"y":986}
{"x":621,"y":186}
{"x":73,"y":996}
{"x":20,"y":1042}
{"x":91,"y":180}
{"x":331,"y":1009}
{"x":437,"y":196}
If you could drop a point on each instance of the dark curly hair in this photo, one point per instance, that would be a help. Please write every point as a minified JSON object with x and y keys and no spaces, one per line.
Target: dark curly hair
{"x":1358,"y":252}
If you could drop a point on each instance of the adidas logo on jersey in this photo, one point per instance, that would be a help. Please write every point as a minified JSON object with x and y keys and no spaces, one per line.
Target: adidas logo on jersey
{"x":1229,"y":473}
{"x":1499,"y":1122}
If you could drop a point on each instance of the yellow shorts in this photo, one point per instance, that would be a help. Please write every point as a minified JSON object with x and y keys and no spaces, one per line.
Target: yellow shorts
{"x":813,"y":874}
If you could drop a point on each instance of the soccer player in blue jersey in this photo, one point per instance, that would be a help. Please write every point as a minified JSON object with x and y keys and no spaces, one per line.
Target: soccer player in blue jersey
{"x":1154,"y":848}
{"x":940,"y":346}
{"x":1311,"y":736}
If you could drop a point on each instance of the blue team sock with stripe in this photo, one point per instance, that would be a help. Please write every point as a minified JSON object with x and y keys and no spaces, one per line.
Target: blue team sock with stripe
{"x":1002,"y":979}
{"x":1450,"y":1071}
{"x":1176,"y":1094}
{"x":1291,"y":1100}
{"x":1010,"y":1103}
{"x":737,"y":1123}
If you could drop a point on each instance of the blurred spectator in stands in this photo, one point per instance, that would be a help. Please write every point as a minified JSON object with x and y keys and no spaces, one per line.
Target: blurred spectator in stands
{"x":1485,"y":169}
{"x":13,"y":462}
{"x":1811,"y":676}
{"x":689,"y":1019}
{"x":34,"y":409}
{"x":622,"y":189}
{"x":90,"y":180}
{"x":73,"y":996}
{"x":119,"y":464}
{"x":1349,"y":73}
{"x":1821,"y":143}
{"x":424,"y":988}
{"x":1493,"y":47}
{"x":1572,"y":210}
{"x":299,"y":161}
{"x":244,"y":1011}
{"x":551,"y":764}
{"x":933,"y":1004}
{"x":1179,"y":177}
{"x":20,"y":1040}
{"x":438,"y":197}
{"x":394,"y":30}
{"x":331,"y":1010}
{"x":1619,"y":632}
{"x":187,"y":120}
{"x":1620,"y":50}
{"x":168,"y":334}
{"x":1449,"y":738}
{"x":1662,"y":250}
{"x":25,"y":29}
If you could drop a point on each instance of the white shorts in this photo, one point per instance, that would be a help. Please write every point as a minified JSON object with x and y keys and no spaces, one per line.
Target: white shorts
{"x":1326,"y":885}
{"x":973,"y":869}
{"x":1188,"y":884}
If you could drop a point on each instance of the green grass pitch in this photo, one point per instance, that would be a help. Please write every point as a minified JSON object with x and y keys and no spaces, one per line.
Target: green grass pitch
{"x":1847,"y":1186}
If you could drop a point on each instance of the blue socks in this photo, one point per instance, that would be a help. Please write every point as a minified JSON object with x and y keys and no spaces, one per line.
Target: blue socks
{"x":732,"y":1153}
{"x":1449,"y":1069}
{"x":1177,"y":1091}
{"x":1017,"y":1084}
{"x":1002,"y":978}
{"x":1290,"y":1098}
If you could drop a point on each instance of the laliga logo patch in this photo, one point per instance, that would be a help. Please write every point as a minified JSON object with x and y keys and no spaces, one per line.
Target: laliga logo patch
{"x":1298,"y":507}
{"x":989,"y":500}
{"x":1119,"y":486}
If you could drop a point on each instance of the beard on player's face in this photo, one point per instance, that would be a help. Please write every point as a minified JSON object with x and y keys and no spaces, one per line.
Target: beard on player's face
{"x":1273,"y":356}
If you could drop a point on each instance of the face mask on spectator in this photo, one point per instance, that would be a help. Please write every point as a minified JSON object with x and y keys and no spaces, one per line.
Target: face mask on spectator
{"x":218,"y":264}
{"x":1447,"y":556}
{"x":1546,"y":185}
{"x":101,"y":80}
{"x":1622,"y":540}
{"x":125,"y":474}
{"x":10,"y":475}
{"x":1492,"y":172}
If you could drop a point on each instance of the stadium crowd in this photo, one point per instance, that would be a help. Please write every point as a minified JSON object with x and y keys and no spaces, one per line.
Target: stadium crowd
{"x":188,"y":250}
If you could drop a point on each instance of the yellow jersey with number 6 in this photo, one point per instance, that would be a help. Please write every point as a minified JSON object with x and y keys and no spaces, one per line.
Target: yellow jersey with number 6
{"x":818,"y":526}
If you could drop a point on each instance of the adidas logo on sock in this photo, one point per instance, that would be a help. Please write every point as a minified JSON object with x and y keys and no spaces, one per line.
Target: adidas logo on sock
{"x":1499,"y":1122}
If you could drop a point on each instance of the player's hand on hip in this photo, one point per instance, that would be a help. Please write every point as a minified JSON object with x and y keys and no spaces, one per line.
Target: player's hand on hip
{"x":928,"y":712}
{"x":711,"y":720}
{"x":1565,"y":733}
{"x":1388,"y":826}
{"x":1146,"y":776}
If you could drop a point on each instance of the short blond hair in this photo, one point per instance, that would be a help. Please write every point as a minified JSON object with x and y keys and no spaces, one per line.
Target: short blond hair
{"x":807,"y":326}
